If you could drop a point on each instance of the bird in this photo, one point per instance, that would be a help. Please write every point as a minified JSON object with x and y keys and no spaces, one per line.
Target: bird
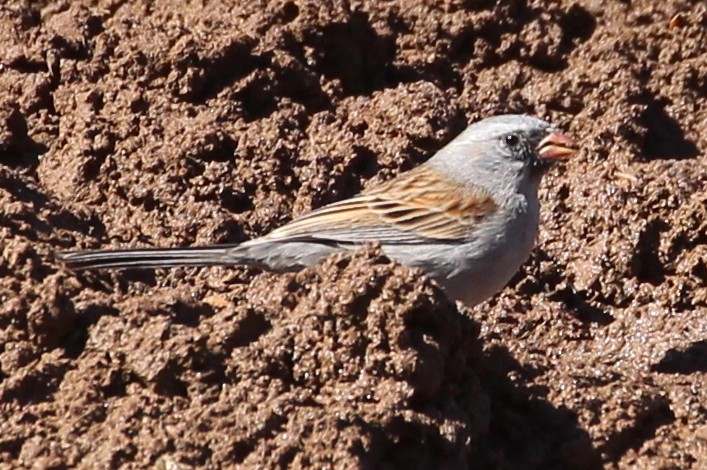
{"x":468,"y":216}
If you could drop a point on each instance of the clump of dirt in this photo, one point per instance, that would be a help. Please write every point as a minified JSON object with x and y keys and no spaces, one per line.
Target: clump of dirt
{"x":351,"y":362}
{"x":128,"y":124}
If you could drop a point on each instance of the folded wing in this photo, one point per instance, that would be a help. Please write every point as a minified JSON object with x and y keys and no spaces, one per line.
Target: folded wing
{"x":416,"y":207}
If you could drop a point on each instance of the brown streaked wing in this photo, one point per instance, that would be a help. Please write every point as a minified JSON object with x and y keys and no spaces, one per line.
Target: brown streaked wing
{"x":418,"y":203}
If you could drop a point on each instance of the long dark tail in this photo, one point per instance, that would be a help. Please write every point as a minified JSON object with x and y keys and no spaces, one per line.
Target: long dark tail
{"x":151,"y":257}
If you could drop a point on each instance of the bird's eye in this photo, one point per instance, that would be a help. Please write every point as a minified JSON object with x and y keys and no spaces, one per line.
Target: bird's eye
{"x":511,"y":140}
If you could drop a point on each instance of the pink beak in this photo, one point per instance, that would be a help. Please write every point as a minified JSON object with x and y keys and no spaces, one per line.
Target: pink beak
{"x":556,"y":146}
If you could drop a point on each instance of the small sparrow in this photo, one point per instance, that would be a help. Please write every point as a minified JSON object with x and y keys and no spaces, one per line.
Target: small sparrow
{"x":468,"y":216}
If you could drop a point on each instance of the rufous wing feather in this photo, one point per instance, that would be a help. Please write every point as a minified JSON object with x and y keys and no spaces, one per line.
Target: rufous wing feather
{"x":415,"y":206}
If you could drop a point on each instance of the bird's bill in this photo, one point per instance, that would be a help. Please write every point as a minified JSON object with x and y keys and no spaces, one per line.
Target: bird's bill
{"x":556,"y":146}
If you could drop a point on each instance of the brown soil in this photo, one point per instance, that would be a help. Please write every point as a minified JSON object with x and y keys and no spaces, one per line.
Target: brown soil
{"x":131,"y":123}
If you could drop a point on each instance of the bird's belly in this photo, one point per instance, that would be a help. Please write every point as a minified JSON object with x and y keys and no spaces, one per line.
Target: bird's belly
{"x":486,"y":276}
{"x":473,"y":271}
{"x":489,"y":270}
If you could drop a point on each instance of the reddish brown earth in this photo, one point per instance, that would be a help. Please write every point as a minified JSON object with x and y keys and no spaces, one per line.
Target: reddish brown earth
{"x":129,"y":123}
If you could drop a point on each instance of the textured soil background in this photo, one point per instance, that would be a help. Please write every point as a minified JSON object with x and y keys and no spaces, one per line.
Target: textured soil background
{"x":139,"y":123}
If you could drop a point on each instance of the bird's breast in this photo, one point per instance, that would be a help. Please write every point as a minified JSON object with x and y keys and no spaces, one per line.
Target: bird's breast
{"x":488,"y":260}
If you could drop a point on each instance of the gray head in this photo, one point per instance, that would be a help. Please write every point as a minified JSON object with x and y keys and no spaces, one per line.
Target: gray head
{"x":503,"y":154}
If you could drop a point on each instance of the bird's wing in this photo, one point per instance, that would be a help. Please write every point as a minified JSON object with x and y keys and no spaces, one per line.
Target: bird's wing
{"x":415,"y":207}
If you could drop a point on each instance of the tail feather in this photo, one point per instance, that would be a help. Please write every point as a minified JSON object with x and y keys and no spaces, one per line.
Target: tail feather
{"x":151,"y":257}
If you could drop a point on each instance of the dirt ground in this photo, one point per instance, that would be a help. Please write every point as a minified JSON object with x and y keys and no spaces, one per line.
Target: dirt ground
{"x":140,"y":123}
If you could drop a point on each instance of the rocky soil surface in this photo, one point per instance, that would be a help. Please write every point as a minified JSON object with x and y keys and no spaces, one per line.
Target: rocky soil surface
{"x":135,"y":123}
